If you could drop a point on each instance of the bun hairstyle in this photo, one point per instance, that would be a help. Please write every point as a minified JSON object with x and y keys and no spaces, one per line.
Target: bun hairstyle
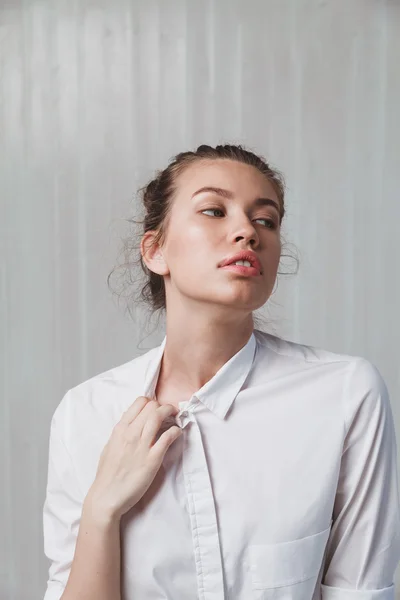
{"x":156,"y":200}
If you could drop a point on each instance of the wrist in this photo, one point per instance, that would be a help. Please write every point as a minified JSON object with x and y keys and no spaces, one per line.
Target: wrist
{"x":98,"y":511}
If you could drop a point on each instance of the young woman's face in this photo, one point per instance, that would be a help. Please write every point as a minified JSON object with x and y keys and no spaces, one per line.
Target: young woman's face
{"x":206,"y":227}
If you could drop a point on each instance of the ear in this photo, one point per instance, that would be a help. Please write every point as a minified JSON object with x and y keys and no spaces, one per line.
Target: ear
{"x":152,"y":254}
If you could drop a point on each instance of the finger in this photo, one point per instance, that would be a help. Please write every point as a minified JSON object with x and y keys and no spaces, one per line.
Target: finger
{"x":163,"y":418}
{"x":139,"y":422}
{"x":132,"y":412}
{"x":158,"y":450}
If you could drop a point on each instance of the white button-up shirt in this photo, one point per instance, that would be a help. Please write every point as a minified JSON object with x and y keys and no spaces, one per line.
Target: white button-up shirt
{"x":283,"y":484}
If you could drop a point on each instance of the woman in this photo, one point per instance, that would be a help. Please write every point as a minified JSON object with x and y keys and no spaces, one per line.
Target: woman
{"x":227,"y":462}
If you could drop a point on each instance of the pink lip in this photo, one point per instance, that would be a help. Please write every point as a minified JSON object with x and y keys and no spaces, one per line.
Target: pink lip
{"x":247,"y":255}
{"x":241,"y":270}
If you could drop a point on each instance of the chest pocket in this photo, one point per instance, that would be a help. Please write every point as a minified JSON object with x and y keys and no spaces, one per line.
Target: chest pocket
{"x":287,"y":570}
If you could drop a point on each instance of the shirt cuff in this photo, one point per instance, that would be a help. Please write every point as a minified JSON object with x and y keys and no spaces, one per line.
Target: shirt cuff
{"x":333,"y":593}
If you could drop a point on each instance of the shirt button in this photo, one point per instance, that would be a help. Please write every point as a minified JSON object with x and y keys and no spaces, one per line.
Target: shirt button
{"x":185,"y":413}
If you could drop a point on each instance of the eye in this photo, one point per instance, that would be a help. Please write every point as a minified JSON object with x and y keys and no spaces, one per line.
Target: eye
{"x":270,"y":222}
{"x":212,"y":210}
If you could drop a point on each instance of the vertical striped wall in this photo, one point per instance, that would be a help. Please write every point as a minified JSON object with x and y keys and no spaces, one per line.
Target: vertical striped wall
{"x":96,"y":95}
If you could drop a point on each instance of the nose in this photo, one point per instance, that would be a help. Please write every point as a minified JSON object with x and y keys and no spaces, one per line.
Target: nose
{"x":247,"y":232}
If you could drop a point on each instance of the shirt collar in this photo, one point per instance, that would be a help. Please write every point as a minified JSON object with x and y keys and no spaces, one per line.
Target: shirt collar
{"x":221,"y":390}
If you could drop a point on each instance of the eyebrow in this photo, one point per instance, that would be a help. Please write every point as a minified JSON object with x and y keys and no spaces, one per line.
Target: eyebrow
{"x":230,"y":195}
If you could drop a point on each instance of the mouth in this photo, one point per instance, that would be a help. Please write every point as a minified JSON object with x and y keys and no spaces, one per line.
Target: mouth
{"x":245,"y":262}
{"x":240,"y":269}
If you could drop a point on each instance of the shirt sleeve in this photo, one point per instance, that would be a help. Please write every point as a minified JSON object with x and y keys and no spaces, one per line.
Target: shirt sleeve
{"x":62,"y":507}
{"x":363,"y":549}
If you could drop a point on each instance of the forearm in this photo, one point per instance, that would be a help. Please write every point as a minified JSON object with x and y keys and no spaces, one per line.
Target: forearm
{"x":95,"y":570}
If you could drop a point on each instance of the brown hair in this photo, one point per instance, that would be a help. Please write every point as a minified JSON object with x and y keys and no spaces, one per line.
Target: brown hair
{"x":156,"y":199}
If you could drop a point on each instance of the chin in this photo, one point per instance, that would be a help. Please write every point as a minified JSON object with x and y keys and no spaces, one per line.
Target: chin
{"x":246,"y":302}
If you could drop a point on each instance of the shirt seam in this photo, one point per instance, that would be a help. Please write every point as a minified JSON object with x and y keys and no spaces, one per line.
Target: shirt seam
{"x":345,"y":394}
{"x":316,"y":360}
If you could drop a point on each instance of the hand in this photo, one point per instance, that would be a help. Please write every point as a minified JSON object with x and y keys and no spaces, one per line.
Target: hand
{"x":131,"y":458}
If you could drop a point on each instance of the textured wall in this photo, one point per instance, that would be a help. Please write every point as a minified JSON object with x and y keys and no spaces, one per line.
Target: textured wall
{"x":94,"y":96}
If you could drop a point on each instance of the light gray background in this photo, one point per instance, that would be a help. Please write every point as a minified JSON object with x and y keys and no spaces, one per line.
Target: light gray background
{"x":96,"y":95}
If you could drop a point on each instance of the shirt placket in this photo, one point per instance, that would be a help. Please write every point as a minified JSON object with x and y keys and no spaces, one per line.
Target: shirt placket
{"x":201,"y":506}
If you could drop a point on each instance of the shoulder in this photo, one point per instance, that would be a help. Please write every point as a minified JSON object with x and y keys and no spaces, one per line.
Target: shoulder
{"x":303,"y":353}
{"x":97,"y":403}
{"x":359,"y":379}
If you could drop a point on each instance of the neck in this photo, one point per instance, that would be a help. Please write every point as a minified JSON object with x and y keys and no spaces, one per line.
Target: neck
{"x":196,"y":348}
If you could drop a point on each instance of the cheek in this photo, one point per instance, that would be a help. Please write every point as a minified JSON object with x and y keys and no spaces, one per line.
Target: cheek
{"x":273,"y":253}
{"x":188,"y":241}
{"x":186,"y":251}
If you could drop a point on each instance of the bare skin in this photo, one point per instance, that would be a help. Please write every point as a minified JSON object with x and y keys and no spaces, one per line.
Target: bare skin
{"x":214,"y":305}
{"x":128,"y":464}
{"x":209,"y":319}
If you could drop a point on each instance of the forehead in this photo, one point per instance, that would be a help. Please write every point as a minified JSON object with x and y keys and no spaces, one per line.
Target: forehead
{"x":244,"y":180}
